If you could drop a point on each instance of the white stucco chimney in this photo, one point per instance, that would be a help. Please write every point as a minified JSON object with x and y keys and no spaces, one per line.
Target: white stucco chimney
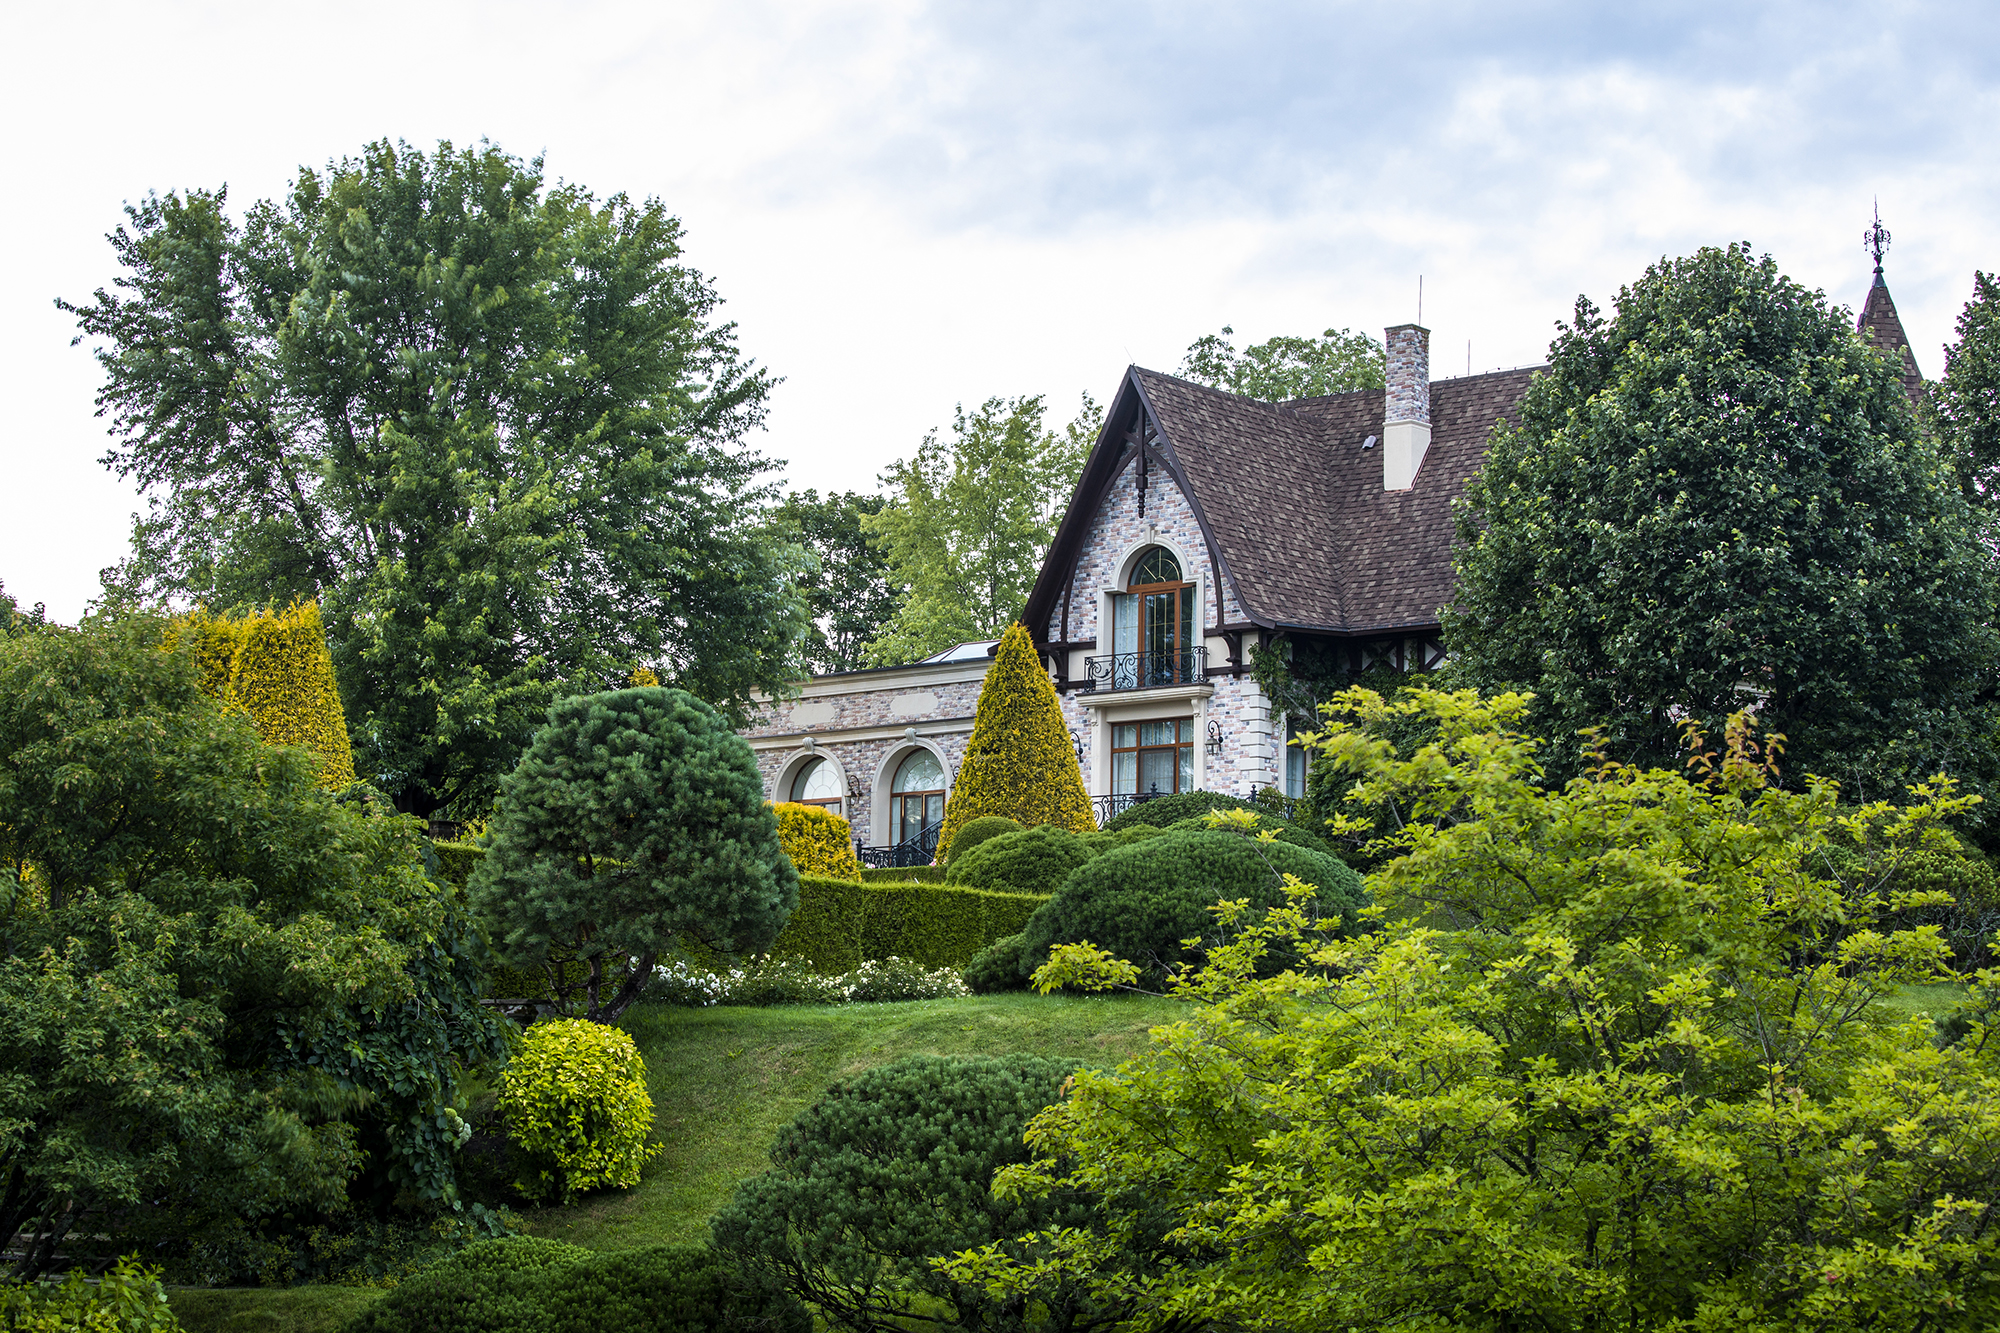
{"x":1406,"y":420}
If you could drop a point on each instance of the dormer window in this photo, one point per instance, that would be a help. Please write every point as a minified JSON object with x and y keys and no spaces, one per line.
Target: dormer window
{"x":1152,"y":625}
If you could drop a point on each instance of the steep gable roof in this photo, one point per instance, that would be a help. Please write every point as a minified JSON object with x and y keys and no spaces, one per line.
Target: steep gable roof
{"x":1880,"y":322}
{"x":1291,"y":502}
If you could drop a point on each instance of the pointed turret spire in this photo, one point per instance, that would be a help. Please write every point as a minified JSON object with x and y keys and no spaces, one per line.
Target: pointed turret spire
{"x":1879,"y":321}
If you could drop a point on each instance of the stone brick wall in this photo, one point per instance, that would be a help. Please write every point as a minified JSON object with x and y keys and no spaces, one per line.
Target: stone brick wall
{"x":1408,"y":374}
{"x":904,"y":703}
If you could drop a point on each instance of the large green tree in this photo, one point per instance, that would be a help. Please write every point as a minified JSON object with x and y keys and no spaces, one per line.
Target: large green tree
{"x":224,"y":997}
{"x":1718,"y":497}
{"x":1338,"y":361}
{"x":1964,"y":404}
{"x":969,"y":519}
{"x":492,"y":425}
{"x":850,"y":594}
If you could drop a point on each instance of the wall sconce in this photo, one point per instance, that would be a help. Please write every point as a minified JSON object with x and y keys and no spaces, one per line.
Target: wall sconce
{"x":1077,"y":741}
{"x":854,"y":786}
{"x":1214,"y":739}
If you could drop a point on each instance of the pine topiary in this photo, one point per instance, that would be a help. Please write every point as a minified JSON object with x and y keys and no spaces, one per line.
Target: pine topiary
{"x":275,"y":666}
{"x":979,"y":830}
{"x":577,"y":1110}
{"x":818,"y":841}
{"x":1020,"y":762}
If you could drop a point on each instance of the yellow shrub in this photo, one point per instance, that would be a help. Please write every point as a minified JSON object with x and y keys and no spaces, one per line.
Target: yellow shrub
{"x":274,"y":665}
{"x":575,"y":1100}
{"x":818,"y":841}
{"x":1020,"y":762}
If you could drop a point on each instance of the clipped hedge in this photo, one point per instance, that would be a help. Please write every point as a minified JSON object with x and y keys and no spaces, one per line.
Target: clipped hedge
{"x":979,"y":830}
{"x":275,"y":666}
{"x":529,"y":1286}
{"x":839,"y":925}
{"x":819,"y":841}
{"x":1166,"y":811}
{"x":903,"y":875}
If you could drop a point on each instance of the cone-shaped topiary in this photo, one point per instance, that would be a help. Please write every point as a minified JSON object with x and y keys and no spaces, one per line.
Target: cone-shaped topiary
{"x":818,"y":841}
{"x":1020,"y":762}
{"x":275,"y":666}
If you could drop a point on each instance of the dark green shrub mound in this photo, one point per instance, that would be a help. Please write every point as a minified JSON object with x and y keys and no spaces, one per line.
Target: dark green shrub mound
{"x":530,"y":1286}
{"x":1036,"y":860}
{"x":1140,"y":902}
{"x":1293,"y":834}
{"x":1166,"y":811}
{"x":998,"y":967}
{"x":890,"y":1168}
{"x":979,"y":830}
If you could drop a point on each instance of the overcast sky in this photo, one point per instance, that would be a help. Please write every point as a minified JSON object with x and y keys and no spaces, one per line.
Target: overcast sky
{"x":908,"y":206}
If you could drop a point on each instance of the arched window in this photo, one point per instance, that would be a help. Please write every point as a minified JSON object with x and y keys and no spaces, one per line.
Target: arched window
{"x":817,"y":784}
{"x":1152,"y":625}
{"x":916,"y":799}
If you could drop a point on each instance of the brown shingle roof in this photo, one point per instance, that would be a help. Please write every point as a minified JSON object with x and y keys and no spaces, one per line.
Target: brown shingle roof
{"x":1307,"y":535}
{"x":1880,"y":320}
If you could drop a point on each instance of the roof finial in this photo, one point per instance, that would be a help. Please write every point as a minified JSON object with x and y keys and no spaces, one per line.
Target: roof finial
{"x":1876,"y":240}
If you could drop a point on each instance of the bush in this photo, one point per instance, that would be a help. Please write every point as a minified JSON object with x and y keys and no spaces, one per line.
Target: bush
{"x":523,"y":1286}
{"x":127,"y":1299}
{"x":840,"y":925}
{"x":791,"y":981}
{"x":902,"y":875}
{"x":577,"y":1110}
{"x":1036,"y":860}
{"x":979,"y":830}
{"x":1288,"y":833}
{"x":275,"y":666}
{"x":891,"y":1168}
{"x":1140,"y":902}
{"x":1000,"y":966}
{"x":636,"y":823}
{"x":1019,"y":761}
{"x":818,"y":841}
{"x":1166,"y":811}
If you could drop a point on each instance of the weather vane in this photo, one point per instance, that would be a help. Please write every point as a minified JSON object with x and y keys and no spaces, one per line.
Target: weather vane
{"x":1876,"y":239}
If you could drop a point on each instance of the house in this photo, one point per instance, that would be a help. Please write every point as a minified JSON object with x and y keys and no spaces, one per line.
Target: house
{"x":1204,"y":525}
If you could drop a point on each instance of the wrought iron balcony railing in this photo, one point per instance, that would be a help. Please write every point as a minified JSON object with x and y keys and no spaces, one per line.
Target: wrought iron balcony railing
{"x":1108,"y":808}
{"x":919,"y":849}
{"x":1143,"y":671}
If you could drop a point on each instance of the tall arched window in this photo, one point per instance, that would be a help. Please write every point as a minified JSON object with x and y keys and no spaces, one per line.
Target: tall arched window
{"x":817,"y":784}
{"x":1152,"y":625}
{"x":916,"y":798}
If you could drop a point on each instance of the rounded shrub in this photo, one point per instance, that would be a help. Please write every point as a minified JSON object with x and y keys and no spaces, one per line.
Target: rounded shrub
{"x":1141,"y":901}
{"x":1035,"y":860}
{"x":577,"y":1110}
{"x":979,"y":830}
{"x":818,"y":841}
{"x":1292,"y":834}
{"x":890,"y":1168}
{"x":1166,"y":811}
{"x":522,"y":1286}
{"x":998,"y":967}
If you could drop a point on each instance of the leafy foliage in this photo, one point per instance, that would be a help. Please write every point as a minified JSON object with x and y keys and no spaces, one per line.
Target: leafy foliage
{"x":979,"y":830}
{"x":577,"y":1110}
{"x":969,"y":520}
{"x":1140,"y":902}
{"x":125,"y":1299}
{"x":224,"y":998}
{"x":13,"y":620}
{"x":1338,"y":361}
{"x":818,"y":841}
{"x":1623,"y":1067}
{"x":491,"y":426}
{"x":1020,"y":762}
{"x":635,"y":822}
{"x":889,"y":1169}
{"x":1719,"y":495}
{"x":1003,"y":965}
{"x":274,"y":665}
{"x":851,"y":594}
{"x":1963,"y":405}
{"x":532,"y":1286}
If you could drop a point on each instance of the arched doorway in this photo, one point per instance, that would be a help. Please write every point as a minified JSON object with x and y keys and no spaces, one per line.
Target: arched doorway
{"x":817,"y":783}
{"x":916,"y":804}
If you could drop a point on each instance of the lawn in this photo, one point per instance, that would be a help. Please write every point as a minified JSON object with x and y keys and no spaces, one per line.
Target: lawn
{"x":724,"y":1081}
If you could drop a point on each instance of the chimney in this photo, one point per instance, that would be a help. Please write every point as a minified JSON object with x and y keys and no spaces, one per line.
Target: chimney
{"x":1406,"y":421}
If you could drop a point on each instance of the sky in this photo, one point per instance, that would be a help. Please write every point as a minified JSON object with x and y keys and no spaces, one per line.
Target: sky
{"x":907,"y":206}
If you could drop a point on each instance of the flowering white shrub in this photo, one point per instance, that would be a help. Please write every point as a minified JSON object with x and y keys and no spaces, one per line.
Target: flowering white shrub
{"x":790,"y":981}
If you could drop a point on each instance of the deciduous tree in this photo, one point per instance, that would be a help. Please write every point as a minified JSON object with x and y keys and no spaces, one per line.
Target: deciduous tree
{"x":1718,"y":497}
{"x":1964,"y":403}
{"x":851,"y":594}
{"x":493,"y":426}
{"x":1338,"y":361}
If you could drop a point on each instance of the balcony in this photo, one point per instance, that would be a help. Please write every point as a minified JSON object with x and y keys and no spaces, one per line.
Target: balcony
{"x":1144,"y":671}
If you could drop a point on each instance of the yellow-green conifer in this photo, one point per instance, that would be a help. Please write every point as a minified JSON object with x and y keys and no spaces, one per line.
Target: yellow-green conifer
{"x":1020,"y":762}
{"x":819,"y":841}
{"x":275,"y":666}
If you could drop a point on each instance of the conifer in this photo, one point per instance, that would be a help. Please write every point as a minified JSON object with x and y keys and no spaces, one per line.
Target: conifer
{"x":1020,"y":762}
{"x":275,"y":666}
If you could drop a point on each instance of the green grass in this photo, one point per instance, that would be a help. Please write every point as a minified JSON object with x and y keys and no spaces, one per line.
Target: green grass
{"x":1935,"y":1000}
{"x":724,"y":1081}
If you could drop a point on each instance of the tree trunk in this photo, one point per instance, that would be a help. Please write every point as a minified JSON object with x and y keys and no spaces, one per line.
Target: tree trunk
{"x":635,"y":985}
